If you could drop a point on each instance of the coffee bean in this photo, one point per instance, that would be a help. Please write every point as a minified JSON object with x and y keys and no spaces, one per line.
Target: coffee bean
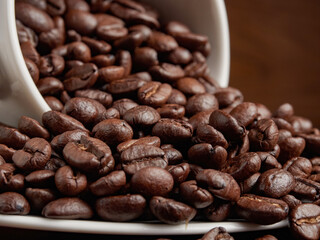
{"x":166,"y":72}
{"x":170,"y":211}
{"x":300,"y":124}
{"x":162,"y":42}
{"x":32,"y":128}
{"x":229,"y":96}
{"x":154,"y":94}
{"x":180,"y":55}
{"x":268,"y":161}
{"x":26,"y":34}
{"x":9,"y":180}
{"x":306,"y":189}
{"x":173,"y":155}
{"x":111,"y":73}
{"x":305,"y":221}
{"x":208,"y":134}
{"x":50,"y":86}
{"x":29,"y":51}
{"x":175,"y":27}
{"x":267,"y":237}
{"x":145,"y":57}
{"x":201,"y":118}
{"x":14,"y":204}
{"x":40,"y":178}
{"x":171,"y":111}
{"x":32,"y":69}
{"x":125,"y":85}
{"x":152,"y":140}
{"x":291,"y":201}
{"x":103,"y":60}
{"x":290,"y":147}
{"x":123,"y":105}
{"x":97,"y":46}
{"x":82,"y":22}
{"x":248,"y":184}
{"x":102,"y":97}
{"x":39,"y":197}
{"x":261,"y":210}
{"x":124,"y":59}
{"x":177,"y":97}
{"x":12,"y":137}
{"x":141,"y":116}
{"x":109,"y":184}
{"x":299,"y":166}
{"x":54,"y":164}
{"x":54,"y":103}
{"x":312,"y":143}
{"x":51,"y":65}
{"x":121,"y":208}
{"x":67,"y":208}
{"x":217,"y":233}
{"x":245,"y":113}
{"x":179,"y":172}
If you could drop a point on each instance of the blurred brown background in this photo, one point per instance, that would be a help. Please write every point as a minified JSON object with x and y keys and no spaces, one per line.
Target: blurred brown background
{"x":275,"y":53}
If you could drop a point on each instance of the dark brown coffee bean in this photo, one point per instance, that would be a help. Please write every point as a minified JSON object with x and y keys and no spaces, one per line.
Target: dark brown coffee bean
{"x":68,"y":182}
{"x":171,"y":111}
{"x":275,"y":183}
{"x":11,"y":137}
{"x":306,"y":189}
{"x":55,"y":8}
{"x":111,"y":32}
{"x":283,"y":124}
{"x":208,"y":134}
{"x":175,"y":27}
{"x":108,"y":185}
{"x":245,"y":113}
{"x":290,"y":147}
{"x":123,"y":105}
{"x":81,"y":77}
{"x":137,"y":157}
{"x":6,"y":152}
{"x":264,"y":136}
{"x":267,"y":237}
{"x":177,"y":97}
{"x":125,"y":85}
{"x":14,"y":204}
{"x":97,"y":46}
{"x":29,"y":51}
{"x":124,"y":59}
{"x":39,"y":197}
{"x":67,"y":208}
{"x":51,"y":65}
{"x":152,"y":140}
{"x":268,"y":161}
{"x":172,"y":130}
{"x":154,"y":94}
{"x":261,"y":210}
{"x":32,"y":128}
{"x":33,"y":17}
{"x":207,"y":156}
{"x":195,"y":195}
{"x":104,"y":98}
{"x":79,"y":51}
{"x":40,"y":178}
{"x":145,"y":57}
{"x":227,"y":125}
{"x":152,"y":181}
{"x":32,"y":69}
{"x":49,"y":86}
{"x":26,"y":34}
{"x":34,"y":155}
{"x":180,"y":56}
{"x":170,"y":211}
{"x":142,"y":75}
{"x":305,"y":221}
{"x":141,"y":116}
{"x":284,"y":111}
{"x":179,"y":172}
{"x":248,"y":184}
{"x":2,"y":161}
{"x":166,"y":72}
{"x":54,"y":103}
{"x":137,"y":35}
{"x":121,"y":208}
{"x":201,"y":118}
{"x":228,"y":96}
{"x":210,"y":84}
{"x":201,"y":102}
{"x":80,"y":21}
{"x":190,"y":86}
{"x":162,"y":42}
{"x":58,"y":123}
{"x":299,"y":166}
{"x":300,"y":124}
{"x":291,"y":201}
{"x":197,"y":69}
{"x":312,"y":143}
{"x":113,"y":131}
{"x":243,"y":166}
{"x":55,"y":37}
{"x":9,"y":181}
{"x":103,"y":60}
{"x":220,"y":184}
{"x":217,"y":233}
{"x":111,"y":73}
{"x":54,"y":164}
{"x":190,"y":40}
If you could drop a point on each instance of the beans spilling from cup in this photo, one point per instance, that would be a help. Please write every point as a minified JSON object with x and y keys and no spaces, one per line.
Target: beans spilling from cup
{"x":140,"y":131}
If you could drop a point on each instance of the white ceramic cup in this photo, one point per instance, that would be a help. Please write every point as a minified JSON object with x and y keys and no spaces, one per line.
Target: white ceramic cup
{"x":19,"y":95}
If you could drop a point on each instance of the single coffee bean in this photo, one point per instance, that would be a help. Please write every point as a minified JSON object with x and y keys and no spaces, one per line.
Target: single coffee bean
{"x":145,"y":57}
{"x":201,"y":102}
{"x":6,"y":152}
{"x":306,"y":189}
{"x":103,"y":60}
{"x":171,"y":111}
{"x":39,"y":197}
{"x":300,"y":124}
{"x":96,"y":46}
{"x":54,"y":164}
{"x":299,"y":166}
{"x":120,"y":208}
{"x":162,"y":42}
{"x":217,"y":233}
{"x":141,"y":116}
{"x":154,"y":94}
{"x":248,"y":184}
{"x":111,"y":73}
{"x":208,"y":134}
{"x":166,"y":72}
{"x":284,"y":111}
{"x":290,"y":147}
{"x":175,"y":27}
{"x":305,"y":221}
{"x":109,"y":184}
{"x":283,"y":124}
{"x":124,"y":59}
{"x":180,"y":56}
{"x":11,"y":137}
{"x":82,"y":22}
{"x":177,"y":97}
{"x":152,"y":140}
{"x":125,"y":85}
{"x":268,"y":161}
{"x":29,"y":51}
{"x":229,"y":96}
{"x":220,"y":184}
{"x":201,"y":118}
{"x":14,"y":204}
{"x":51,"y":65}
{"x":9,"y":180}
{"x":26,"y":34}
{"x":34,"y":155}
{"x":190,"y":86}
{"x":68,"y":182}
{"x":67,"y":208}
{"x":102,"y":97}
{"x":179,"y":172}
{"x":54,"y":103}
{"x":49,"y":86}
{"x":123,"y":105}
{"x":245,"y":113}
{"x":312,"y":143}
{"x":41,"y":178}
{"x":291,"y":200}
{"x":261,"y":210}
{"x":32,"y":69}
{"x":32,"y":128}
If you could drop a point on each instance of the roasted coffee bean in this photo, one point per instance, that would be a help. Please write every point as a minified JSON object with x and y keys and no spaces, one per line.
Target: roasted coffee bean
{"x":9,"y":181}
{"x":89,"y":155}
{"x":32,"y":69}
{"x":305,"y":221}
{"x":142,"y":75}
{"x":14,"y":204}
{"x":145,"y":57}
{"x":58,"y":123}
{"x":283,"y":124}
{"x":173,"y":155}
{"x":190,"y":40}
{"x":228,"y":96}
{"x":172,"y":130}
{"x":102,"y":97}
{"x":26,"y":34}
{"x":152,"y":140}
{"x":138,"y":157}
{"x":152,"y":181}
{"x":207,"y":156}
{"x":54,"y":103}
{"x":267,"y":237}
{"x":197,"y":69}
{"x":208,"y":134}
{"x":248,"y":184}
{"x":300,"y":124}
{"x":50,"y":86}
{"x":177,"y":97}
{"x":290,"y":147}
{"x":195,"y":195}
{"x":55,"y":8}
{"x":261,"y":210}
{"x":51,"y":65}
{"x":166,"y":72}
{"x":103,"y":60}
{"x":113,"y":131}
{"x":306,"y":189}
{"x":264,"y":136}
{"x":123,"y":105}
{"x":136,"y":36}
{"x":34,"y":155}
{"x":54,"y":164}
{"x":190,"y":86}
{"x":29,"y":51}
{"x":201,"y":102}
{"x":111,"y":113}
{"x":33,"y":17}
{"x":162,"y":42}
{"x":125,"y":85}
{"x":268,"y":161}
{"x":40,"y":178}
{"x":67,"y":208}
{"x":201,"y":118}
{"x":217,"y":233}
{"x":179,"y":172}
{"x":245,"y":113}
{"x":78,"y":51}
{"x":300,"y":167}
{"x":154,"y":94}
{"x":275,"y":183}
{"x":171,"y":111}
{"x":80,"y":21}
{"x":2,"y":161}
{"x":227,"y":125}
{"x":291,"y":201}
{"x":124,"y":59}
{"x":111,"y":73}
{"x":39,"y":197}
{"x":109,"y":184}
{"x":68,"y":182}
{"x":218,"y":211}
{"x":312,"y":143}
{"x":170,"y":211}
{"x":284,"y":111}
{"x":175,"y":27}
{"x":55,"y":37}
{"x":32,"y":128}
{"x":243,"y":166}
{"x":220,"y":184}
{"x":141,"y":116}
{"x":180,"y":55}
{"x":97,"y":46}
{"x":121,"y":208}
{"x":12,"y":137}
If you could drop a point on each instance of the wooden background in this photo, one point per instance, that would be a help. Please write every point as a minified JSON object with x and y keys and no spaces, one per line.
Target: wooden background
{"x":275,"y":53}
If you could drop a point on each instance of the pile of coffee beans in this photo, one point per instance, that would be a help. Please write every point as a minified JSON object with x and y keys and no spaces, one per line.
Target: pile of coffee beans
{"x":140,"y":131}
